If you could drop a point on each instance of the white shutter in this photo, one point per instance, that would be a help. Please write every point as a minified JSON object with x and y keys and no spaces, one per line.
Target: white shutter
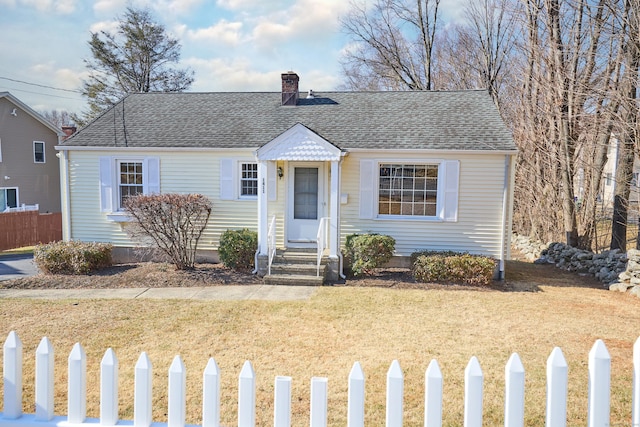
{"x":151,"y":170}
{"x":367,"y":180}
{"x":451,"y":184}
{"x":272,"y":181}
{"x":227,"y":179}
{"x":106,"y":185}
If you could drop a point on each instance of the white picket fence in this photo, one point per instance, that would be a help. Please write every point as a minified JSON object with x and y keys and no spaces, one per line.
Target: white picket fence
{"x":599,"y":392}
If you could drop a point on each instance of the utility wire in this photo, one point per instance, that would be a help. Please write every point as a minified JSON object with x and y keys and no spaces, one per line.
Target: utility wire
{"x":40,"y":93}
{"x":39,"y":85}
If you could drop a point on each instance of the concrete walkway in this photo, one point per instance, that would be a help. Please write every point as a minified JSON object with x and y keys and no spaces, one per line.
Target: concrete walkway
{"x":17,"y":266}
{"x":245,"y":292}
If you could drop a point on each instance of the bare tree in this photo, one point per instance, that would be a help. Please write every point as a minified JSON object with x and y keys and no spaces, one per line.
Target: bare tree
{"x":58,"y":118}
{"x":392,"y":44}
{"x":628,"y":129}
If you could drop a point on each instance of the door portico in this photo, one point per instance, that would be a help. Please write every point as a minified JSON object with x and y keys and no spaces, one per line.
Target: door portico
{"x":312,"y":188}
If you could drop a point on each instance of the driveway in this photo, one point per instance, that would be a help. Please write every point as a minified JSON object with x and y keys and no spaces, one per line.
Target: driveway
{"x":16,"y":266}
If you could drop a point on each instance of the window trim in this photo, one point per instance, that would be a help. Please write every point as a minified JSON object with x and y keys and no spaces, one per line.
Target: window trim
{"x":239,"y":179}
{"x":230,"y":174}
{"x":109,"y":182}
{"x":448,"y":189}
{"x":439,"y":215}
{"x":44,"y":155}
{"x":5,"y":197}
{"x":118,"y":175}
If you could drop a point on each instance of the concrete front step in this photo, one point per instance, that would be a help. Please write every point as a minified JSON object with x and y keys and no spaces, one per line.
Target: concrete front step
{"x":293,"y":280}
{"x":307,"y":269}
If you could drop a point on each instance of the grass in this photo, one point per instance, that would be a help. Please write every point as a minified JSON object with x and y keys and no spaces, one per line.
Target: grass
{"x":325,"y":335}
{"x":18,"y":251}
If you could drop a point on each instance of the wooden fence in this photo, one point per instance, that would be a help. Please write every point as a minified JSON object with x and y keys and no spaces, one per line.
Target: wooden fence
{"x":19,"y":229}
{"x":557,"y":378}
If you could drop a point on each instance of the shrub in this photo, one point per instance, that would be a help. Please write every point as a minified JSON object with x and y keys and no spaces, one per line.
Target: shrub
{"x":453,"y":267}
{"x":364,"y":252}
{"x":72,"y":257}
{"x":172,"y":223}
{"x":237,"y":248}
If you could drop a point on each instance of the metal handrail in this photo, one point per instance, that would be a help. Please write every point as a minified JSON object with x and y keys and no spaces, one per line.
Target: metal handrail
{"x":321,"y":241}
{"x":271,"y":242}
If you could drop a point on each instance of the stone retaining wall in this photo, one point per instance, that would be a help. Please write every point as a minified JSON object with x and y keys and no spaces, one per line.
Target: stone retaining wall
{"x":629,"y":279}
{"x":616,"y":270}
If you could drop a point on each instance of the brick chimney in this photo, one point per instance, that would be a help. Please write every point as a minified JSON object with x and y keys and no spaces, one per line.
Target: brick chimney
{"x":68,"y":131}
{"x":290,"y":88}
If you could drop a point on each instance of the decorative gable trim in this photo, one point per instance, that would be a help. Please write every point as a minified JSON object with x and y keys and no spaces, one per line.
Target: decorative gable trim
{"x":299,"y":143}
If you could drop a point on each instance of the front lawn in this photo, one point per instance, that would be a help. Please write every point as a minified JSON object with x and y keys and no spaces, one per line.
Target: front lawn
{"x":339,"y":325}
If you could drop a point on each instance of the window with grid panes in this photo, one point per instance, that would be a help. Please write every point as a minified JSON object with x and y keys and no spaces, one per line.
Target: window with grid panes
{"x":407,"y":189}
{"x":129,"y":180}
{"x":249,"y":179}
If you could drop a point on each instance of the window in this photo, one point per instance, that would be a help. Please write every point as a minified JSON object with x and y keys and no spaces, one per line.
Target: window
{"x":239,"y":179}
{"x":249,"y":179}
{"x":407,"y":189}
{"x":129,"y":180}
{"x":0,"y":150}
{"x":38,"y":152}
{"x":8,"y":198}
{"x":121,"y":178}
{"x":607,"y":180}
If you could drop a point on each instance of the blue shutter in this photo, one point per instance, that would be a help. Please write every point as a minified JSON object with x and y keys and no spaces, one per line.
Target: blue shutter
{"x":226,"y":179}
{"x":367,"y":193}
{"x":451,"y":184}
{"x":151,"y":170}
{"x":106,"y":184}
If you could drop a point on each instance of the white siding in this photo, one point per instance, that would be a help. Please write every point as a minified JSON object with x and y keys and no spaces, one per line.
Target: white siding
{"x":180,"y":172}
{"x":477,"y":230}
{"x":479,"y":225}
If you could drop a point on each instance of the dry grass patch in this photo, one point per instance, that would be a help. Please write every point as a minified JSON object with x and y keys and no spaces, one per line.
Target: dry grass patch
{"x":325,"y":335}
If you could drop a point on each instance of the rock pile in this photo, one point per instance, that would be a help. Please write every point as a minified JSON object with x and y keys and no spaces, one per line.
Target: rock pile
{"x":629,"y":279}
{"x":530,"y":249}
{"x":605,"y":266}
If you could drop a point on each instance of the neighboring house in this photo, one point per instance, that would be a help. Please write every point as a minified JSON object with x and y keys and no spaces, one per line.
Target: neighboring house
{"x":609,"y":176}
{"x":29,"y":169}
{"x":434,"y":170}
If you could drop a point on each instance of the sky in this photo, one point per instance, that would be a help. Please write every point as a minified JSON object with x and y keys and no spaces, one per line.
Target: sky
{"x":231,"y":45}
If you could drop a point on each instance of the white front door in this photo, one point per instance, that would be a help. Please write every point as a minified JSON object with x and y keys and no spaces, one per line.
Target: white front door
{"x":306,"y":202}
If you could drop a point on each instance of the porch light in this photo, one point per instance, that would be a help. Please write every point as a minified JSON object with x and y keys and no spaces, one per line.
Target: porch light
{"x":280,"y":172}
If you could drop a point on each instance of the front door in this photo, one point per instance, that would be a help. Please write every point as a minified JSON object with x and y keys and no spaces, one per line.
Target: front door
{"x":305,"y":203}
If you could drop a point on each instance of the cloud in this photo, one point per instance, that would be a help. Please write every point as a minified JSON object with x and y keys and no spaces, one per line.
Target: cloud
{"x":62,"y":7}
{"x":225,"y":32}
{"x":64,"y":78}
{"x":231,"y":75}
{"x":173,"y":7}
{"x":109,"y":7}
{"x":107,"y":26}
{"x":257,"y":6}
{"x":307,"y":19}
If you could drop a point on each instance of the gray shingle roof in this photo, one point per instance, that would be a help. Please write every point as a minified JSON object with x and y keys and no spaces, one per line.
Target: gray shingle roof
{"x":460,"y":120}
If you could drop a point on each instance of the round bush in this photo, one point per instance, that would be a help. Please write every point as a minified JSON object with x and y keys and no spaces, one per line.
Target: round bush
{"x":237,"y":248}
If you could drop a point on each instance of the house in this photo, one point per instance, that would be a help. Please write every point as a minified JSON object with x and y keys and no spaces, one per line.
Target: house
{"x":29,"y":169}
{"x":609,"y":176}
{"x":434,"y":170}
